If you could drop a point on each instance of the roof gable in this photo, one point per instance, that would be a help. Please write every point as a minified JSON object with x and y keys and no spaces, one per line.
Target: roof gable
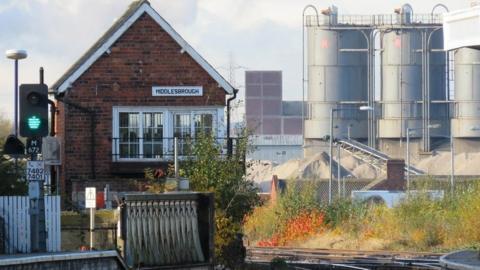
{"x":135,"y":11}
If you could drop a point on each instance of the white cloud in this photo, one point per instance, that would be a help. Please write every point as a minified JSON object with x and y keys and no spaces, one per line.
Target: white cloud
{"x":261,"y":34}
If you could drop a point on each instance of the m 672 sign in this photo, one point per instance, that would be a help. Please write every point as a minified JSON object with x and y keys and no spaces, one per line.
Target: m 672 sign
{"x":35,"y":171}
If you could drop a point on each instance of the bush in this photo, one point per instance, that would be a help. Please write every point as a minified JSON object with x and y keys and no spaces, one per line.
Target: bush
{"x":208,"y":170}
{"x":13,"y":181}
{"x":419,"y":223}
{"x":295,"y":216}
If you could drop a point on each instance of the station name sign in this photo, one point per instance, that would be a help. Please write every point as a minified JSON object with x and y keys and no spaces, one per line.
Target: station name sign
{"x":184,"y":91}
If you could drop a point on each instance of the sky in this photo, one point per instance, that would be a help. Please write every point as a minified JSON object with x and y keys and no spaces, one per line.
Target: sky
{"x":245,"y":34}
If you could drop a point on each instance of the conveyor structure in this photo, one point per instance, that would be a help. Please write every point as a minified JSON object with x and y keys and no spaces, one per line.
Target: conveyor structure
{"x":371,"y":155}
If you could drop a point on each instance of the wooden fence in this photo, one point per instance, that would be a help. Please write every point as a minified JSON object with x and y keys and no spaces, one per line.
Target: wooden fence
{"x":15,"y":224}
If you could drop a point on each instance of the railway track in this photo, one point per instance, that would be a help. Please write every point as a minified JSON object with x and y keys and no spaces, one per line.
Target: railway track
{"x":345,"y":259}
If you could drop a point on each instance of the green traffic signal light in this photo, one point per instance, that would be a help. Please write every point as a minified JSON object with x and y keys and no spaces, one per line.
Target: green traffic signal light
{"x":33,"y":110}
{"x":33,"y":122}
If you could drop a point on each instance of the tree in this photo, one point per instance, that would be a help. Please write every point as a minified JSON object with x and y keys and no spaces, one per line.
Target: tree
{"x":12,"y":178}
{"x":210,"y":170}
{"x":5,"y":128}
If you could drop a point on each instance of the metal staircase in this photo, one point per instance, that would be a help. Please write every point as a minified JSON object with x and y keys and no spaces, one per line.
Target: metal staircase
{"x":370,"y":155}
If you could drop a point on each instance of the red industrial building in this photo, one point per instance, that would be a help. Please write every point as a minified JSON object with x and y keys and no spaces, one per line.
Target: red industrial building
{"x":123,"y":101}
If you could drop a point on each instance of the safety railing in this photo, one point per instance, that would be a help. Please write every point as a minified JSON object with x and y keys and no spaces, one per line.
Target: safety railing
{"x":162,"y":149}
{"x":466,"y":109}
{"x":439,"y":110}
{"x":374,"y":20}
{"x":350,"y":111}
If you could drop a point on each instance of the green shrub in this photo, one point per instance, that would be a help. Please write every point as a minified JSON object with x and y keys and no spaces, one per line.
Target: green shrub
{"x":299,"y":195}
{"x":208,"y":170}
{"x":270,"y":219}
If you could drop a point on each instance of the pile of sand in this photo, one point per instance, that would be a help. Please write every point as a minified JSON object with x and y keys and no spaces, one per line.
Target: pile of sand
{"x":316,"y":166}
{"x":439,"y":164}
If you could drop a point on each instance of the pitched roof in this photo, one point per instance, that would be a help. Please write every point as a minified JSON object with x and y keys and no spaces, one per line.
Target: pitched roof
{"x":134,"y":11}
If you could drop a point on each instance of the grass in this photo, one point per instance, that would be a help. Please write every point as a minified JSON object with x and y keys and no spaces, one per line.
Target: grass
{"x":418,"y":224}
{"x":82,"y":219}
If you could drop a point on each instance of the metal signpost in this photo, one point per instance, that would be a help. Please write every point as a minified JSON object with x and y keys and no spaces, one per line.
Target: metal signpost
{"x":91,"y":202}
{"x":35,"y":176}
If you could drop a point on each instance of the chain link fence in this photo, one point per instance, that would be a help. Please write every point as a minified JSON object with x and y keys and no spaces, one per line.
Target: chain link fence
{"x":347,"y":185}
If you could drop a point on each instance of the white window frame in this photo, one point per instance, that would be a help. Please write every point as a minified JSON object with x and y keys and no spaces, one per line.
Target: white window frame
{"x":168,"y":129}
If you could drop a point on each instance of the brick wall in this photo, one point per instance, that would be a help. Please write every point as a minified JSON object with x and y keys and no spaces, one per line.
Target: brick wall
{"x":395,"y":176}
{"x":144,"y":56}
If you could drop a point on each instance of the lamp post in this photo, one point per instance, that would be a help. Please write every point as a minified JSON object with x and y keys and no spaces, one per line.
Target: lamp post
{"x":16,"y":55}
{"x":330,"y":180}
{"x":339,"y":170}
{"x":408,"y":149}
{"x":452,"y":161}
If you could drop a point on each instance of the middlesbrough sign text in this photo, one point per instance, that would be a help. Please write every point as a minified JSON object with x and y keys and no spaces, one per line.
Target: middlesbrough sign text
{"x":159,"y":91}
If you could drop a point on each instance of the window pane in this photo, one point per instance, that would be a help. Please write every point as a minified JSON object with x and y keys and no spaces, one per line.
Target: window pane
{"x":123,"y":150}
{"x":128,"y":132}
{"x":129,"y":150}
{"x":182,"y":130}
{"x":147,"y":120}
{"x":133,"y":134}
{"x":152,"y":135}
{"x":147,"y":135}
{"x":128,"y":119}
{"x":203,"y":123}
{"x":124,"y":134}
{"x":182,"y":125}
{"x":158,"y":150}
{"x":158,"y":135}
{"x":147,"y":150}
{"x":133,"y":150}
{"x":123,"y":119}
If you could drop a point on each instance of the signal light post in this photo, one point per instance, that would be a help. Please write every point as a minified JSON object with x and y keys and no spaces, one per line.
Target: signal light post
{"x":34,"y":126}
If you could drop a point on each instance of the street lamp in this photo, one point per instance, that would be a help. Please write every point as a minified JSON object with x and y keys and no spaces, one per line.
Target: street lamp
{"x":330,"y":180}
{"x":452,"y":161}
{"x":16,"y":55}
{"x":408,"y":149}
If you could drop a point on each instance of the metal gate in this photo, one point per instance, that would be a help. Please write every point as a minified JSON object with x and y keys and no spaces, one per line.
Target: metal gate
{"x":16,"y":224}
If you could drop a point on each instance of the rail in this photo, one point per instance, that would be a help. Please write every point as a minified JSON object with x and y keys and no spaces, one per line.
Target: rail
{"x":132,"y":148}
{"x":375,"y":20}
{"x":344,"y":110}
{"x":346,"y":259}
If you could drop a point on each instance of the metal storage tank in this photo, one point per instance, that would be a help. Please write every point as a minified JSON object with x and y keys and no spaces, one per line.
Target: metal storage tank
{"x":439,"y":112}
{"x":336,"y":74}
{"x":466,"y":121}
{"x":401,"y":91}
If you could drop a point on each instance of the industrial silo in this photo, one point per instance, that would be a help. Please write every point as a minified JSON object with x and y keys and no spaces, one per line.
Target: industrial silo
{"x":466,"y":121}
{"x":337,"y":79}
{"x":404,"y":82}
